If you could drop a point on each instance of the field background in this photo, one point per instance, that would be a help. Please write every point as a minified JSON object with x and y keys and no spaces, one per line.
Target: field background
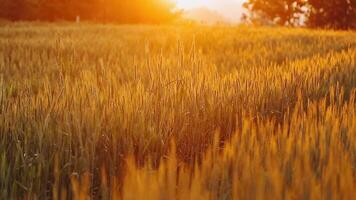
{"x":167,"y":112}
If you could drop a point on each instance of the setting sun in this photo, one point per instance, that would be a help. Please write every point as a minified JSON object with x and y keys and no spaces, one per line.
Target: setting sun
{"x":186,"y":4}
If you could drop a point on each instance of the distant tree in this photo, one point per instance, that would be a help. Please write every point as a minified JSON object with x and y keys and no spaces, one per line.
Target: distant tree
{"x":121,"y":11}
{"x":338,"y":14}
{"x":12,"y":9}
{"x":281,"y":12}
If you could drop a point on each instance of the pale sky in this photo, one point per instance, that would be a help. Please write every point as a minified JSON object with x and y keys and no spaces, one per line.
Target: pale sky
{"x":231,"y":9}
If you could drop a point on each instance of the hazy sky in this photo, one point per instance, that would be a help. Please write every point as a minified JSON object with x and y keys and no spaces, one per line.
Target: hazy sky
{"x":231,"y":9}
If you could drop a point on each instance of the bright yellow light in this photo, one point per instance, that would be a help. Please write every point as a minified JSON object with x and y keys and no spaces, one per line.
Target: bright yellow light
{"x":186,"y":4}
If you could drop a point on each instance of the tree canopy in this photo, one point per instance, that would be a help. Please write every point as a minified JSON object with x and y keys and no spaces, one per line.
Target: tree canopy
{"x":123,"y":11}
{"x":338,"y":14}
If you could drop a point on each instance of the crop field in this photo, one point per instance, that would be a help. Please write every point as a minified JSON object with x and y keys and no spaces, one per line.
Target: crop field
{"x":91,"y":111}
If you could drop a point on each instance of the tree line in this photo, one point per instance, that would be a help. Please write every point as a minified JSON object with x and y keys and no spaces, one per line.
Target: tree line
{"x":336,"y":14}
{"x":124,"y":11}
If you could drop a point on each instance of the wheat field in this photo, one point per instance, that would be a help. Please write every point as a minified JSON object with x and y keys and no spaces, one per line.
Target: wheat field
{"x":91,"y":111}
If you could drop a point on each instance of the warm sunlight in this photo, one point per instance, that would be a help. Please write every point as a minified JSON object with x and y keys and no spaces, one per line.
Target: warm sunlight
{"x":177,"y":99}
{"x":230,"y":9}
{"x":187,"y":4}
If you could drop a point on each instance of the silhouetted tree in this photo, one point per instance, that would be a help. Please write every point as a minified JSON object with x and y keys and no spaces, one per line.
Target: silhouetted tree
{"x":338,"y":14}
{"x":281,"y":12}
{"x":12,"y":9}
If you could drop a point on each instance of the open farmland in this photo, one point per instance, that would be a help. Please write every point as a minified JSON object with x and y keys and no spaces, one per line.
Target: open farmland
{"x":165,"y":112}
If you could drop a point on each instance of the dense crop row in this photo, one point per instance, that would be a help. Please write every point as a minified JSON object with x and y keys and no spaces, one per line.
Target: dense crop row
{"x":93,"y":111}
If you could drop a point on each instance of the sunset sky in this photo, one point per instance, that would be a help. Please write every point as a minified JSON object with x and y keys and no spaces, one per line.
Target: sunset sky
{"x":231,"y":9}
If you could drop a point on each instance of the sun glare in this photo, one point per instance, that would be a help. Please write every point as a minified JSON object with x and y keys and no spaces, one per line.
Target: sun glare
{"x":186,"y":4}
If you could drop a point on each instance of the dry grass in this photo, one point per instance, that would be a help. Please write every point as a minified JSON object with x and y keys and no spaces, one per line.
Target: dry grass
{"x":131,"y":112}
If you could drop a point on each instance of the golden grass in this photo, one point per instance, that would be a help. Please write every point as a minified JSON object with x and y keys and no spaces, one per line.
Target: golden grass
{"x":160,"y":112}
